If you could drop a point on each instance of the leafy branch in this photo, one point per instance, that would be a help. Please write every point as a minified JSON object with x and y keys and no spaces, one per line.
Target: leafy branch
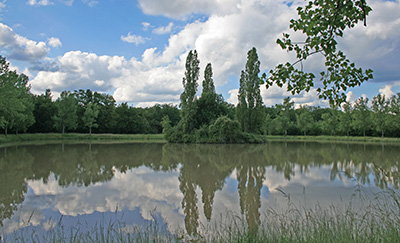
{"x":322,"y":21}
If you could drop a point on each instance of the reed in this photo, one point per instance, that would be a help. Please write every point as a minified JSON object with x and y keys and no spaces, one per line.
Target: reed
{"x":367,"y":217}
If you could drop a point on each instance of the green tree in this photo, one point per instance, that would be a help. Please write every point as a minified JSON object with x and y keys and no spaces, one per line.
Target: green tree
{"x":395,"y":109}
{"x":361,"y":115}
{"x":305,"y":121}
{"x":43,"y":112}
{"x":224,"y":130}
{"x":16,"y":101}
{"x":330,"y":121}
{"x":66,"y":117}
{"x":210,"y":105}
{"x":380,"y":108}
{"x":284,"y":116}
{"x":346,"y":118}
{"x":322,"y":22}
{"x":106,"y":119}
{"x":208,"y":83}
{"x":188,"y":96}
{"x":250,"y":109}
{"x":90,"y":116}
{"x":130,"y":120}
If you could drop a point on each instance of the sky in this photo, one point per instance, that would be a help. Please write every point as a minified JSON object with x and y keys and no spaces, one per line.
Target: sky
{"x":136,"y":50}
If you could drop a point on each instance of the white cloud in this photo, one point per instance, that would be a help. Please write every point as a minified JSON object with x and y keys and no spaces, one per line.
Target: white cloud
{"x":40,"y":2}
{"x":146,"y":26}
{"x":127,"y":80}
{"x":351,"y":97}
{"x":164,"y":29}
{"x":183,"y":8}
{"x":20,"y":48}
{"x":377,"y":45}
{"x":54,"y":42}
{"x":90,"y":3}
{"x":136,"y":39}
{"x":387,"y":91}
{"x":2,"y":4}
{"x":232,"y":28}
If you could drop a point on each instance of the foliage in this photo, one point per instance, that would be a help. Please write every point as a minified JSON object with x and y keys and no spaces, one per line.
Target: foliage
{"x":285,"y":112}
{"x":362,"y":118}
{"x":66,"y":117}
{"x":188,"y":95}
{"x":90,"y":116}
{"x":380,"y":108}
{"x":345,"y":118}
{"x":224,"y":130}
{"x":322,"y":22}
{"x":16,"y":101}
{"x":250,"y":111}
{"x":305,"y":121}
{"x":43,"y":112}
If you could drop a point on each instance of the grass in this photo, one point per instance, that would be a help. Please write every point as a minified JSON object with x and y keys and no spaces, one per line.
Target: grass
{"x":73,"y":137}
{"x":366,"y":218}
{"x":377,"y":219}
{"x":344,"y":139}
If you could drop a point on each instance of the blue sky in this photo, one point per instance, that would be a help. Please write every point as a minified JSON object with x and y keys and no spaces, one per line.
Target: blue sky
{"x":136,"y":49}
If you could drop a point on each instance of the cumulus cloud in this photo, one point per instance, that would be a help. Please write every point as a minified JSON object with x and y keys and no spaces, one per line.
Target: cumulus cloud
{"x":377,"y":45}
{"x":135,"y":39}
{"x":163,"y":29}
{"x":20,"y":48}
{"x":54,"y":42}
{"x":127,"y":80}
{"x":232,"y":28}
{"x":387,"y":91}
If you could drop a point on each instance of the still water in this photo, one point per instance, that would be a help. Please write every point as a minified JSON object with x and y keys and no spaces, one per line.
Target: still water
{"x":182,"y":186}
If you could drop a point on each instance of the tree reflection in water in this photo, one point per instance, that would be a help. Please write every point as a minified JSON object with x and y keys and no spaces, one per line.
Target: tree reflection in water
{"x":202,"y":168}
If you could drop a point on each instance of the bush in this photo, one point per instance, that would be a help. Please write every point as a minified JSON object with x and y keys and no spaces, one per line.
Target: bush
{"x":224,"y":130}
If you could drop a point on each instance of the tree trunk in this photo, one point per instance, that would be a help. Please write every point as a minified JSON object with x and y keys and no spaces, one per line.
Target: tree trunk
{"x":364,"y":132}
{"x":16,"y":131}
{"x":304,"y":133}
{"x":5,"y":131}
{"x":63,"y":129}
{"x":90,"y":130}
{"x":383,"y":133}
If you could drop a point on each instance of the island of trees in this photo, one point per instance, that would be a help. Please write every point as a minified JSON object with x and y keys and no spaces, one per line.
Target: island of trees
{"x":204,"y":119}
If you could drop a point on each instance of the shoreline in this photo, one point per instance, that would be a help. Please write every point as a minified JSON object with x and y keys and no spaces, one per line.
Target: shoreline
{"x":39,"y":138}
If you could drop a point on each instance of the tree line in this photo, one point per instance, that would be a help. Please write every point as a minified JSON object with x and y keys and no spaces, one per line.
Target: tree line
{"x":82,"y":111}
{"x":207,"y":118}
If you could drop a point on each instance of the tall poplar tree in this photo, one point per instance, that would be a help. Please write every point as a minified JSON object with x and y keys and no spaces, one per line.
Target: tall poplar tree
{"x":188,"y":97}
{"x":208,"y":82}
{"x":250,"y":105}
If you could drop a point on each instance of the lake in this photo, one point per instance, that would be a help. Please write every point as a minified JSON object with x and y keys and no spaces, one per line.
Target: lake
{"x":182,"y":187}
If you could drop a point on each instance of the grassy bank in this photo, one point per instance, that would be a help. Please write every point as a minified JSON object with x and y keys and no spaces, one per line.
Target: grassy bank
{"x":45,"y":137}
{"x":344,"y":139}
{"x":52,"y":137}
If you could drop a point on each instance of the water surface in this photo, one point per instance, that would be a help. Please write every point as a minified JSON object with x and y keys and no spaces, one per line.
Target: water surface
{"x":182,"y":186}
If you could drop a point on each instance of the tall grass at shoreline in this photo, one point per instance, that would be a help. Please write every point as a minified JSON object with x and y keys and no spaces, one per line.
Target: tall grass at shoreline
{"x":367,"y":217}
